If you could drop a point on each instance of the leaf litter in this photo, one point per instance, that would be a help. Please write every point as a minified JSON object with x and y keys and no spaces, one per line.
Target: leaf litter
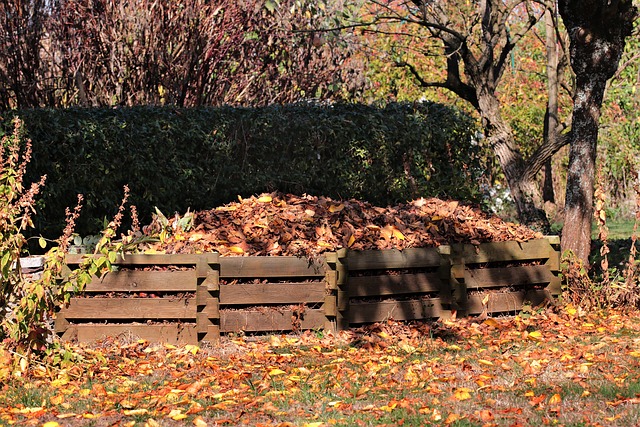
{"x":554,"y":367}
{"x":560,"y":366}
{"x":284,"y":224}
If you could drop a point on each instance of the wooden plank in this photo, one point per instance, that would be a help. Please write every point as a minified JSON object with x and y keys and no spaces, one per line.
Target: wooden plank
{"x":272,"y":293}
{"x":268,"y":320}
{"x":330,"y":306}
{"x":369,"y":312}
{"x":263,"y":266}
{"x":152,"y":259}
{"x":144,"y":281}
{"x":393,"y":259}
{"x":369,"y":286}
{"x":130,"y":308}
{"x":502,"y":302}
{"x":177,"y":334}
{"x":505,"y":251}
{"x":508,"y":276}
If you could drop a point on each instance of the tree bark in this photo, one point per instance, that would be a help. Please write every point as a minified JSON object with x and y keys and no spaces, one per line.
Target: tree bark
{"x":551,"y":116}
{"x":597,"y":31}
{"x":525,"y":191}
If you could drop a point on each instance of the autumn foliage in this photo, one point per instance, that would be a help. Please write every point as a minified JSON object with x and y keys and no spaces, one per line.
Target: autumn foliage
{"x":284,"y":224}
{"x":558,"y":367}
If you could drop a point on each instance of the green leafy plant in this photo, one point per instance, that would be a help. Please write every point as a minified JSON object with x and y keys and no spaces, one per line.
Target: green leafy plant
{"x":16,"y":210}
{"x":27,"y":306}
{"x":198,"y":158}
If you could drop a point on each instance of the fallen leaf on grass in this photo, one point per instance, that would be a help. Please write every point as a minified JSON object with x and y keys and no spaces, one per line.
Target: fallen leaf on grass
{"x":462,"y":393}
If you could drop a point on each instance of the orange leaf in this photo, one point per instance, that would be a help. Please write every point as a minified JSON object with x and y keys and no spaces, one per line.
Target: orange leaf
{"x":555,"y":399}
{"x":486,"y":415}
{"x":452,"y":418}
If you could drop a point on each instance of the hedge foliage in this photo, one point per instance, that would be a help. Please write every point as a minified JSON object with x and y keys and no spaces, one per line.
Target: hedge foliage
{"x":201,"y":158}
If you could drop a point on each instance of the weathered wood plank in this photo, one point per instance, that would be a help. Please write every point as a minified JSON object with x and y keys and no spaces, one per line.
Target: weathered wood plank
{"x":268,"y":320}
{"x":272,"y":293}
{"x":330,"y":306}
{"x":505,"y":251}
{"x":144,"y":281}
{"x":177,"y":334}
{"x":501,"y":302}
{"x":508,"y":276}
{"x":369,"y":312}
{"x":262,"y":266}
{"x":393,"y":259}
{"x":152,"y":259}
{"x":130,"y":308}
{"x":369,"y":286}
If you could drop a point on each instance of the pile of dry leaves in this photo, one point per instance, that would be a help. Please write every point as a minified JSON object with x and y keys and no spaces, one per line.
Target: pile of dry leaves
{"x":284,"y":224}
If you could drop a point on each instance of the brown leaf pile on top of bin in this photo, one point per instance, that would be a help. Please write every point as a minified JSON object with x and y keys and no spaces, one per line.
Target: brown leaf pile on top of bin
{"x":285,"y":224}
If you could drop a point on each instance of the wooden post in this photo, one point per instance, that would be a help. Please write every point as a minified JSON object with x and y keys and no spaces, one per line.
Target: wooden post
{"x":330,"y":305}
{"x":555,"y":287}
{"x":339,"y":275}
{"x":445,"y":292}
{"x":208,"y":299}
{"x":459,"y":294}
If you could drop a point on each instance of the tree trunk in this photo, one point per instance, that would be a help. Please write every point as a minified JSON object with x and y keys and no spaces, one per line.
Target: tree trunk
{"x":597,"y":31}
{"x":578,"y":211}
{"x":525,"y":191}
{"x":551,"y":115}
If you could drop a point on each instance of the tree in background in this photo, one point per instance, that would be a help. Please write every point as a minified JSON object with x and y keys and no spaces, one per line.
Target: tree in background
{"x":598,"y":30}
{"x":475,"y":42}
{"x":188,"y":53}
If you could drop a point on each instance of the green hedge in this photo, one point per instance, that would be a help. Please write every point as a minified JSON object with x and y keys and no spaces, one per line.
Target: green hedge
{"x":201,"y":158}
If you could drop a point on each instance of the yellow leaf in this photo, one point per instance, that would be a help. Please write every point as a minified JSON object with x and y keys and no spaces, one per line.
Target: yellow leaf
{"x":462,"y":393}
{"x":535,"y":336}
{"x":555,"y":399}
{"x":485,"y":362}
{"x":336,"y":208}
{"x":351,"y":241}
{"x":315,"y":424}
{"x":177,"y":415}
{"x":199,"y":422}
{"x":51,"y":424}
{"x":276,"y":371}
{"x":571,"y":311}
{"x":398,"y":234}
{"x":485,"y":299}
{"x":436,"y":415}
{"x":196,"y":236}
{"x":324,"y":244}
{"x":236,"y":249}
{"x":152,"y":423}
{"x":56,"y":400}
{"x":265,"y":199}
{"x":133,"y":412}
{"x":193,"y":349}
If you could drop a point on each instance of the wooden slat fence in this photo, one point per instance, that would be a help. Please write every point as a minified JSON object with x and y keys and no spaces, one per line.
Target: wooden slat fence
{"x":196,"y":298}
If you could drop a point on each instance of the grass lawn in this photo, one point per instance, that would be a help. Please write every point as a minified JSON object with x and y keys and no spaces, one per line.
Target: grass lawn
{"x":619,"y":229}
{"x":557,"y":367}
